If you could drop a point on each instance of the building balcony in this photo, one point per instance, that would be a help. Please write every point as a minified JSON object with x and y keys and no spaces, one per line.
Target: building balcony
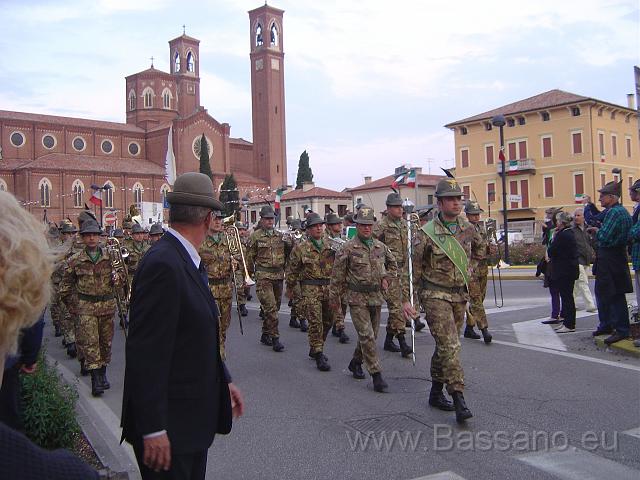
{"x":524,"y":165}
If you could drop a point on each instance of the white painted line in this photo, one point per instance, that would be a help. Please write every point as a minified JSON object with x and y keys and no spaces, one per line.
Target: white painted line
{"x":575,"y":356}
{"x":449,"y":475}
{"x":575,"y":464}
{"x":511,"y":308}
{"x":533,"y":332}
{"x":634,"y":432}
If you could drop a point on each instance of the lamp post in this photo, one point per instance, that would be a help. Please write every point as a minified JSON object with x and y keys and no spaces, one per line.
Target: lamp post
{"x":499,"y":121}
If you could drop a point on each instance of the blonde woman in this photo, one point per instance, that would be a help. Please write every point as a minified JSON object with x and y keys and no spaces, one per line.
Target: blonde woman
{"x":26,"y":264}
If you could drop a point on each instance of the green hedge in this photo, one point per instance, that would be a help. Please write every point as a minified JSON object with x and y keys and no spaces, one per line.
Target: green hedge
{"x":520,"y":253}
{"x":48,"y":407}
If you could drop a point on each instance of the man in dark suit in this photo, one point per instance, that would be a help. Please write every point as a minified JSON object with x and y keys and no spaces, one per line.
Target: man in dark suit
{"x":177,"y":390}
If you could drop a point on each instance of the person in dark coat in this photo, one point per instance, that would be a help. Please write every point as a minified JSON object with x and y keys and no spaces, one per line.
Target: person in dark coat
{"x":177,"y":390}
{"x":548,"y":231}
{"x":563,"y":253}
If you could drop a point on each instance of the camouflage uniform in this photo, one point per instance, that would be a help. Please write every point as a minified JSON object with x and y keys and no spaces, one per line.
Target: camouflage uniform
{"x":339,"y":319}
{"x":478,"y":273}
{"x":216,"y":256}
{"x":136,"y":252}
{"x":239,"y":276}
{"x":444,"y":297}
{"x":357,"y":274}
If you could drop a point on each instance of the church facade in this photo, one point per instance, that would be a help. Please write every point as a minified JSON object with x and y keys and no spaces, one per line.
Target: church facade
{"x":50,"y":162}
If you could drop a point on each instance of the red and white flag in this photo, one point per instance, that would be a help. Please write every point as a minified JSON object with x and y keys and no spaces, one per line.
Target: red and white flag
{"x":96,"y":198}
{"x":399,"y":180}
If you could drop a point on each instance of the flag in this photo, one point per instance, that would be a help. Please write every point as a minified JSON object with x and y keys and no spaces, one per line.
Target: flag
{"x":170,"y":160}
{"x":96,"y":198}
{"x":513,"y":165}
{"x":410,"y":180}
{"x":399,"y":180}
{"x":501,"y":155}
{"x":278,"y":198}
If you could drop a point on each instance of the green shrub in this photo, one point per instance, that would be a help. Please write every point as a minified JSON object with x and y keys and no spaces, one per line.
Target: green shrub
{"x":519,"y":253}
{"x":48,"y":407}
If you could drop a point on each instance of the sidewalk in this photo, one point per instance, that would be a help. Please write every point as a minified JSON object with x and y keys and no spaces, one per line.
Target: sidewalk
{"x":625,"y":347}
{"x":526,"y":272}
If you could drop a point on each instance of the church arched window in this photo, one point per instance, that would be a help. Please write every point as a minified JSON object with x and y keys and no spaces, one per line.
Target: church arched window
{"x":166,"y":98}
{"x":45,"y":192}
{"x":138,"y":190}
{"x":259,"y":41}
{"x":274,"y":35}
{"x":132,"y":100}
{"x":148,"y":95}
{"x":107,"y":194}
{"x":3,"y":186}
{"x":191,"y":62}
{"x":164,"y":189}
{"x":176,"y":63}
{"x":78,"y":193}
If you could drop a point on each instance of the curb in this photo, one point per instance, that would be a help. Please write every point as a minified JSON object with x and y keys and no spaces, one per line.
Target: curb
{"x":624,"y":347}
{"x":117,"y":459}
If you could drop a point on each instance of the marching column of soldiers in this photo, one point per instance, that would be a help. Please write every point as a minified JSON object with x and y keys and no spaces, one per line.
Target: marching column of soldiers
{"x":324,"y":271}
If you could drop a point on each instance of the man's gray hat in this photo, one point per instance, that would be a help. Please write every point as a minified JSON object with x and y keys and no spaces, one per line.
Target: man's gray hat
{"x":314,"y":219}
{"x":218,"y":214}
{"x":365,"y":216}
{"x":90,"y":226}
{"x":118,"y":233}
{"x":472,"y":207}
{"x":68,"y":228}
{"x":612,"y":188}
{"x":332,"y":219}
{"x":636,"y":186}
{"x":394,"y":200}
{"x":195,"y":189}
{"x":296,"y":224}
{"x":267,"y":212}
{"x":448,"y":188}
{"x":137,"y":228}
{"x":241,"y":226}
{"x":156,"y":229}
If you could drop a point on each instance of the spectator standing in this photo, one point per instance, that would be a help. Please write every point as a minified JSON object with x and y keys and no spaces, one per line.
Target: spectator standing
{"x":634,"y":236}
{"x":613,"y":280}
{"x":563,"y":253}
{"x":548,"y":231}
{"x":585,"y":257}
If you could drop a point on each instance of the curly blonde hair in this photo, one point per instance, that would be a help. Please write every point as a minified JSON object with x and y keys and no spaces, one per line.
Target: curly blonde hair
{"x":26,"y":264}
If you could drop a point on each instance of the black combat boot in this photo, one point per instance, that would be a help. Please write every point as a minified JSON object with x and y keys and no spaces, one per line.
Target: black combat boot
{"x":103,"y":378}
{"x":389,"y":346}
{"x":83,"y":369}
{"x":293,"y":322}
{"x":437,"y":398}
{"x":469,"y":332}
{"x":304,"y":327}
{"x":243,"y":310}
{"x":355,"y":367}
{"x":261,"y":314}
{"x":344,"y":338}
{"x":486,"y":335}
{"x":72,"y":351}
{"x":58,"y":331}
{"x":405,"y":350}
{"x":322,"y":362}
{"x":277,"y":346}
{"x":96,"y":385}
{"x":462,"y":412}
{"x":419,"y":324}
{"x":247,"y":293}
{"x":265,"y":339}
{"x":334,"y":331}
{"x":379,"y":385}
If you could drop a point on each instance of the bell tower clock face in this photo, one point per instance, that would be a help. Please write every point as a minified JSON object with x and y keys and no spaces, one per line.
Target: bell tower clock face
{"x":196,"y":146}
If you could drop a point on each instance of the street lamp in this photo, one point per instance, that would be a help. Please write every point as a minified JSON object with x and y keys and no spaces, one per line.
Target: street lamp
{"x":499,"y":121}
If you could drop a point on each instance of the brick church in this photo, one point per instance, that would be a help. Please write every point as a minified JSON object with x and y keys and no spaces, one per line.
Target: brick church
{"x":49,"y":162}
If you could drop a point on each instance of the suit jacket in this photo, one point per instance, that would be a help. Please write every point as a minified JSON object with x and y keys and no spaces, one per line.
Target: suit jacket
{"x":563,"y":253}
{"x":174,"y":378}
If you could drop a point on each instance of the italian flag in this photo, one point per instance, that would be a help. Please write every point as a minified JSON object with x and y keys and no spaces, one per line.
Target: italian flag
{"x":410,"y":180}
{"x":278,"y":198}
{"x":399,"y":180}
{"x":96,"y":198}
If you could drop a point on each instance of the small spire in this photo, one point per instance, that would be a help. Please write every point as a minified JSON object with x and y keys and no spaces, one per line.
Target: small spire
{"x":151,"y":62}
{"x":184,"y":32}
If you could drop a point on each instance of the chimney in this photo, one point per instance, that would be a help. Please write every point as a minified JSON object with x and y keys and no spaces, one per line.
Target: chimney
{"x":367,"y":179}
{"x":306,"y":186}
{"x":631,"y":101}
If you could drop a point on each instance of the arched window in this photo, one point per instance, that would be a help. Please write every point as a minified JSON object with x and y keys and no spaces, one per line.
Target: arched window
{"x":45,"y":192}
{"x":274,"y":35}
{"x":191,"y":62}
{"x":3,"y":186}
{"x":176,"y":63}
{"x":148,"y":95}
{"x":164,"y":189}
{"x":166,"y":98}
{"x":78,"y":194}
{"x":259,"y":41}
{"x":132,"y":100}
{"x":107,"y":194}
{"x":138,"y":190}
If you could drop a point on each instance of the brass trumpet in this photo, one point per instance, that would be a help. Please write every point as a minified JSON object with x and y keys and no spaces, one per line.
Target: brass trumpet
{"x":235,"y":245}
{"x":117,"y":254}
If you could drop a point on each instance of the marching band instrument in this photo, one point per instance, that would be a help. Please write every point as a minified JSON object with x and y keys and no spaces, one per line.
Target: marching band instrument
{"x":412,"y":219}
{"x":117,"y":254}
{"x":336,"y":243}
{"x":289,"y":235}
{"x":490,"y":225}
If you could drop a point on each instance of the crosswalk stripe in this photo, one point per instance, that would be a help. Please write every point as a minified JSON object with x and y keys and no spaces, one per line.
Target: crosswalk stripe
{"x":634,"y":432}
{"x":448,"y":475}
{"x":532,"y":332}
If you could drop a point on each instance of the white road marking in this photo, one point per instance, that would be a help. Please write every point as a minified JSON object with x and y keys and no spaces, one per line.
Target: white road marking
{"x":448,"y":475}
{"x":634,"y":432}
{"x":532,"y":332}
{"x":576,"y":464}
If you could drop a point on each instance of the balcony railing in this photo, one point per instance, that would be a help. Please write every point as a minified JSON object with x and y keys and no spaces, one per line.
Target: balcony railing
{"x":524,"y":165}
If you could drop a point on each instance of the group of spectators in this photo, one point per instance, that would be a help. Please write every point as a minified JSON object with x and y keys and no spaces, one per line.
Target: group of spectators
{"x":571,"y":241}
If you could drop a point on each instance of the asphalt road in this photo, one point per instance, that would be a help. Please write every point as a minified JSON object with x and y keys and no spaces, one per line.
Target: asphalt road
{"x":544,"y":406}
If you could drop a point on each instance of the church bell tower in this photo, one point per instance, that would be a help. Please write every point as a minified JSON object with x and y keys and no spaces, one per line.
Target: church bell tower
{"x":184,"y":58}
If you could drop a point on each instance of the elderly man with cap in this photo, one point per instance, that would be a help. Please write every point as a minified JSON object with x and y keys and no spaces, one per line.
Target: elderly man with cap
{"x":177,"y":390}
{"x":88,"y":281}
{"x":363,"y":270}
{"x":440,"y":267}
{"x":267,"y":254}
{"x":613,"y":280}
{"x":333,"y":229}
{"x":155,"y":233}
{"x":634,"y":238}
{"x":478,"y":274}
{"x":296,"y":301}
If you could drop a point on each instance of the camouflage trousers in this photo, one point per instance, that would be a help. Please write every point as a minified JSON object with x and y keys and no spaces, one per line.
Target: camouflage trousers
{"x":222,"y":294}
{"x":366,"y":320}
{"x":339,"y":319}
{"x":396,"y":323}
{"x":269,"y":293}
{"x":445,"y":321}
{"x":240,"y":290}
{"x":477,"y":291}
{"x":61,"y":318}
{"x":94,"y":334}
{"x":297,"y":302}
{"x":319,"y":315}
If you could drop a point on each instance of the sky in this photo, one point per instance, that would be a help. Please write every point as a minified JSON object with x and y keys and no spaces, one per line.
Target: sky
{"x":368,"y":84}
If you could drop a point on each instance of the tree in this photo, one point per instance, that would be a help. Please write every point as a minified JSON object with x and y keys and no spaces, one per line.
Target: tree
{"x":230,"y":196}
{"x":205,"y":166}
{"x":304,"y":171}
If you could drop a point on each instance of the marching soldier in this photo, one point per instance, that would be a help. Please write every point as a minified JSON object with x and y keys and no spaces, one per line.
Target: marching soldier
{"x":392,"y":231}
{"x":118,"y":234}
{"x":334,"y":230}
{"x":364,"y":269}
{"x":217,"y":259}
{"x":88,"y":281}
{"x":127,"y":225}
{"x":243,"y":291}
{"x":440,"y":269}
{"x":309,"y":266}
{"x":136,"y":248}
{"x":266,"y":256}
{"x":478,"y":274}
{"x":155,"y":233}
{"x":297,"y":319}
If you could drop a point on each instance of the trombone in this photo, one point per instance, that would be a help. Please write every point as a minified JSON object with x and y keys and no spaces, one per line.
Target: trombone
{"x":490,"y":225}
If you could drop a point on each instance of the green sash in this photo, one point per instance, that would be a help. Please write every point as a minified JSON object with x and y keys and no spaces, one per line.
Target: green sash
{"x":450,"y":245}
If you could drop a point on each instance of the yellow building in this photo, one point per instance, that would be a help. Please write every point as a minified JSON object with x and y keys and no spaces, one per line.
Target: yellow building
{"x":558,"y":147}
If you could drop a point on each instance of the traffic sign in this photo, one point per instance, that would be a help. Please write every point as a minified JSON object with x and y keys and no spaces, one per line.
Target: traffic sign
{"x":109,"y":218}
